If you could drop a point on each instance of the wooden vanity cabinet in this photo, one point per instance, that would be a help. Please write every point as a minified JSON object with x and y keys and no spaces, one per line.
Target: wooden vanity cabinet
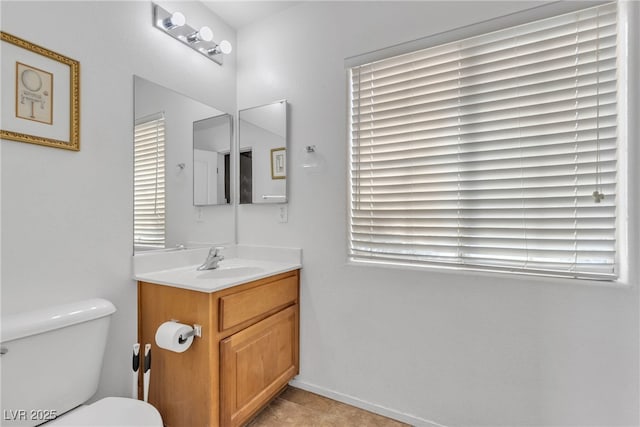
{"x":248,"y":352}
{"x":255,"y":363}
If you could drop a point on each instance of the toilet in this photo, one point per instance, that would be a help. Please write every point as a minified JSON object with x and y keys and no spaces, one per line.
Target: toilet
{"x":51,"y":363}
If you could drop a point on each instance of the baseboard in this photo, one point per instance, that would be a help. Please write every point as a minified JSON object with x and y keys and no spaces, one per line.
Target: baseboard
{"x":358,"y":403}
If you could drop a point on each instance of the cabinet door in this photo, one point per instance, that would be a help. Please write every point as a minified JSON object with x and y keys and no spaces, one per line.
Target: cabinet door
{"x":256,"y":363}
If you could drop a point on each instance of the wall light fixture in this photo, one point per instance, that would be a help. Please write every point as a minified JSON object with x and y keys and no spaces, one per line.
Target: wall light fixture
{"x":175,"y":25}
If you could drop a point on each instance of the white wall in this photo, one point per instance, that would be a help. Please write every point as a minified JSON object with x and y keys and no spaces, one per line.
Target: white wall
{"x":67,"y":217}
{"x":454,"y":348}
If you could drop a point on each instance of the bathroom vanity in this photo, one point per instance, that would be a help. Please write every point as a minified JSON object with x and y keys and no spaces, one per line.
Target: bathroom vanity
{"x":248,"y":350}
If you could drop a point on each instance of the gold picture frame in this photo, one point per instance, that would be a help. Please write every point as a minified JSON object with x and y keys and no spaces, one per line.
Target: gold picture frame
{"x":278,"y":163}
{"x":42,"y":74}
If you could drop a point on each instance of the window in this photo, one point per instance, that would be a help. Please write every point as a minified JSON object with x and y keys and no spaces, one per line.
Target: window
{"x":494,"y":152}
{"x":149,"y":178}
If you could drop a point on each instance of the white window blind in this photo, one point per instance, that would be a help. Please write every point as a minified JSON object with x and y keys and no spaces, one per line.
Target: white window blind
{"x":486,"y":152}
{"x":149,"y":179}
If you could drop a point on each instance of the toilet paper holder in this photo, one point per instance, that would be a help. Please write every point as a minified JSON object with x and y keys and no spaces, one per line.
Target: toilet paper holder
{"x":195,"y":332}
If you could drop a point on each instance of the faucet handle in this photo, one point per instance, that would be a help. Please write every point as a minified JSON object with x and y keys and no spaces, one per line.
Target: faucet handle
{"x":218,"y":250}
{"x":215,"y":251}
{"x":213,"y":258}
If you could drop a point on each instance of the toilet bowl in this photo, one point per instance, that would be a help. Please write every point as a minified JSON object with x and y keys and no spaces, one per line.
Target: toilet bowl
{"x":51,"y":363}
{"x":112,"y":412}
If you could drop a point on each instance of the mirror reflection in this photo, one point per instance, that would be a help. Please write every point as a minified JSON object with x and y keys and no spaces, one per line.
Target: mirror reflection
{"x":263,"y":153}
{"x":211,"y":160}
{"x":169,"y":128}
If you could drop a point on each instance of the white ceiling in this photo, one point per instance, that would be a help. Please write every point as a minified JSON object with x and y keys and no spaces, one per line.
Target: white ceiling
{"x":239,"y":13}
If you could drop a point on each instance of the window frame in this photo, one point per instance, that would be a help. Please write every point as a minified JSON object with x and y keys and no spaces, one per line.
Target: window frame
{"x":622,"y":232}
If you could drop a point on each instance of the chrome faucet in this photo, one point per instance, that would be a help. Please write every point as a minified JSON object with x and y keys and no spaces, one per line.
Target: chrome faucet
{"x":214,"y":257}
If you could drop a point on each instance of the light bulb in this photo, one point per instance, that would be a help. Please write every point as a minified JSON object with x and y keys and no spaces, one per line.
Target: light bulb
{"x":225,"y":47}
{"x":205,"y":34}
{"x":176,"y":19}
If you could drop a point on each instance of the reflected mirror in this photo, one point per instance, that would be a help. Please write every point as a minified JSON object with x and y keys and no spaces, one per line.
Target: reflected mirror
{"x":211,"y":160}
{"x":181,"y":162}
{"x":263,"y":153}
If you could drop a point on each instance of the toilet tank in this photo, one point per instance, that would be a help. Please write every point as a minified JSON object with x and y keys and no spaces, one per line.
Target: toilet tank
{"x":51,"y":359}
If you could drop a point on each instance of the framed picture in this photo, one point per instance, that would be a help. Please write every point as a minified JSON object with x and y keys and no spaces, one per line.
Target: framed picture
{"x":41,"y":95}
{"x":278,"y":163}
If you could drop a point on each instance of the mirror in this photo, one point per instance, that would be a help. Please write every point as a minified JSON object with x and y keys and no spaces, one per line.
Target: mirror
{"x":181,"y":163}
{"x":263,"y":153}
{"x":212,"y":161}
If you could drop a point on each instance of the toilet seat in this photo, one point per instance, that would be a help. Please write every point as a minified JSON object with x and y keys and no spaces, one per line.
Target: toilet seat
{"x":111,"y":411}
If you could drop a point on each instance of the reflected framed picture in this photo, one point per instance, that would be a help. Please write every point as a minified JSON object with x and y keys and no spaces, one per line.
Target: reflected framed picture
{"x":41,"y":101}
{"x":278,"y":163}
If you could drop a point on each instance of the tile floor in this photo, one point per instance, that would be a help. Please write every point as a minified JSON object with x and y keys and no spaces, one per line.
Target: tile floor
{"x":295,"y":407}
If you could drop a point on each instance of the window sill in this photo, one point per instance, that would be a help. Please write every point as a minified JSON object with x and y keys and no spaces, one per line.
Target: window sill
{"x":488,"y":273}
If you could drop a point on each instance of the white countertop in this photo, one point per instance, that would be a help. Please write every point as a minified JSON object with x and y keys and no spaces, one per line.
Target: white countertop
{"x":242,"y":264}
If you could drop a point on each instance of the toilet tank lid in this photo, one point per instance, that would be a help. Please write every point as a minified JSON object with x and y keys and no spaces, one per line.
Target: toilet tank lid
{"x":21,"y":325}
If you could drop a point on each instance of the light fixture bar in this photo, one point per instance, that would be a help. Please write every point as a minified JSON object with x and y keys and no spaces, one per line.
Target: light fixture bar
{"x":200,"y":40}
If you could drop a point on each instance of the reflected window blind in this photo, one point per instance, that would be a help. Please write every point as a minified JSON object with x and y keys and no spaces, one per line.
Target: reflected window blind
{"x":149,"y":180}
{"x":491,"y":152}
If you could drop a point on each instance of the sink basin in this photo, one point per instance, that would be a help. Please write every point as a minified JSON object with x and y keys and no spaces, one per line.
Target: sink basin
{"x":231,"y":271}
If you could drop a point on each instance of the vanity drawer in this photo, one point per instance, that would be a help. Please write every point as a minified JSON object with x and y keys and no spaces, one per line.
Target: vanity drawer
{"x":243,"y":306}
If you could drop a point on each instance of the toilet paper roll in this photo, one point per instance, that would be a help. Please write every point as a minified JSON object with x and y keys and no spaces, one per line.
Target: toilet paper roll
{"x":168,"y":336}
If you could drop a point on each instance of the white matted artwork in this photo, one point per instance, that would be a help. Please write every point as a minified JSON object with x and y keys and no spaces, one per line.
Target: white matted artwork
{"x":278,"y":163}
{"x":34,"y":94}
{"x":42,"y":105}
